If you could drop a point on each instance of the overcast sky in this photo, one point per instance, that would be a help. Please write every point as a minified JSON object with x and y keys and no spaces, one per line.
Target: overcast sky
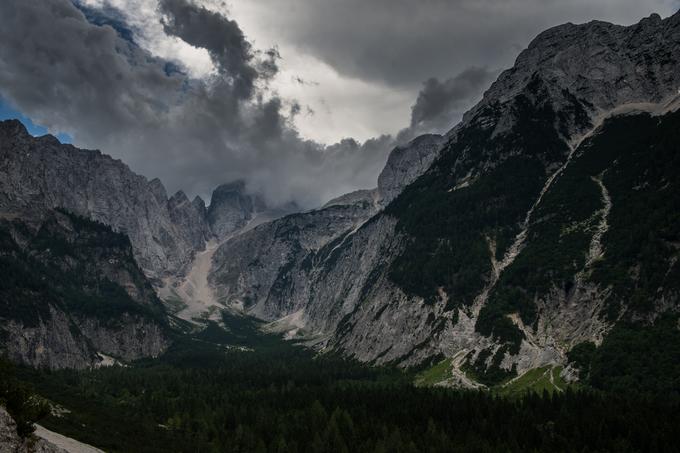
{"x":301,"y":98}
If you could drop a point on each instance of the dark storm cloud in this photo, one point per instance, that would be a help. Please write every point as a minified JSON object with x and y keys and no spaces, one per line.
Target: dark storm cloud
{"x":108,"y":16}
{"x":55,"y":65}
{"x":89,"y":79}
{"x":403,"y":42}
{"x":107,"y":93}
{"x":221,"y":37}
{"x":440,"y":104}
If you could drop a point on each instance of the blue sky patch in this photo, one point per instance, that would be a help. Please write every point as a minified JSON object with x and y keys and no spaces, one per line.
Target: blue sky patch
{"x":107,"y":16}
{"x":7,"y":112}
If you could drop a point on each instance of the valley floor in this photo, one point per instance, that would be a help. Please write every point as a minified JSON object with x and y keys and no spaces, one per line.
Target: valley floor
{"x":231,"y":387}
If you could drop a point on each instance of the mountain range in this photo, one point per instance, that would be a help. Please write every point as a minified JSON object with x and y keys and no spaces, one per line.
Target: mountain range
{"x":532,"y":234}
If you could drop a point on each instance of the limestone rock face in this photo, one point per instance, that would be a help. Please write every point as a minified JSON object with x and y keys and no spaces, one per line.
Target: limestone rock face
{"x":73,"y":292}
{"x":231,"y":208}
{"x":50,"y":343}
{"x":131,"y":339}
{"x":40,"y":173}
{"x":601,"y":64}
{"x":333,"y":275}
{"x":266,"y":271}
{"x":257,"y":265}
{"x":406,"y":163}
{"x":189,"y":217}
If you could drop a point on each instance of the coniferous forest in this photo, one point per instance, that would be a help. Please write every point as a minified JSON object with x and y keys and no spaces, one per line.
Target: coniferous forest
{"x":270,"y":396}
{"x":339,"y":226}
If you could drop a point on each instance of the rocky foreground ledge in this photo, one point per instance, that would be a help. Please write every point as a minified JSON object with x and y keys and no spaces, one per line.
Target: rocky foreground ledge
{"x":42,"y":441}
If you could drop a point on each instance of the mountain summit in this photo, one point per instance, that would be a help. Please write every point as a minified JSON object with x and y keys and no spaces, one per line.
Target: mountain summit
{"x":509,"y":250}
{"x":540,"y":225}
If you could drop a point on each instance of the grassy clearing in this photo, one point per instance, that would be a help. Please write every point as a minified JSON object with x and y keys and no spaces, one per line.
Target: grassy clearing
{"x":536,"y":380}
{"x":434,"y":375}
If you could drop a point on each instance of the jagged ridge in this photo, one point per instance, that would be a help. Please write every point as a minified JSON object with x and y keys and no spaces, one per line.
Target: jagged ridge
{"x":402,"y":287}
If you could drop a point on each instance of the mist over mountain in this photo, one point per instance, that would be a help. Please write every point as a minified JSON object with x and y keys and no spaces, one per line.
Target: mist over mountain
{"x":192,"y":133}
{"x":503,"y":276}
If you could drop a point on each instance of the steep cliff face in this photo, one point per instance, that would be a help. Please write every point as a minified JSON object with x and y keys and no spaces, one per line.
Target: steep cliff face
{"x":40,"y":173}
{"x":406,"y":163}
{"x":601,"y":64}
{"x":490,"y":256}
{"x":270,"y":271}
{"x":471,"y":247}
{"x":261,"y":264}
{"x":189,"y":217}
{"x":72,"y":291}
{"x":231,"y":208}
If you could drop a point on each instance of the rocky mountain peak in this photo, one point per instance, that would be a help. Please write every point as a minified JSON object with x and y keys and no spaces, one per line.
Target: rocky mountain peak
{"x":50,"y":139}
{"x":234,"y":186}
{"x":357,"y":197}
{"x":158,"y":189}
{"x":597,"y":64}
{"x":178,"y":198}
{"x":232,"y":207}
{"x":13,"y":128}
{"x":405,"y":163}
{"x":652,"y":20}
{"x":39,"y":174}
{"x":199,"y":204}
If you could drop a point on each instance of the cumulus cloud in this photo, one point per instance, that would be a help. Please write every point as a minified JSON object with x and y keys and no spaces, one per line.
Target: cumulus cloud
{"x":371,"y":57}
{"x":178,"y":90}
{"x":92,"y":82}
{"x":403,"y":42}
{"x":440,"y":104}
{"x":221,"y":37}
